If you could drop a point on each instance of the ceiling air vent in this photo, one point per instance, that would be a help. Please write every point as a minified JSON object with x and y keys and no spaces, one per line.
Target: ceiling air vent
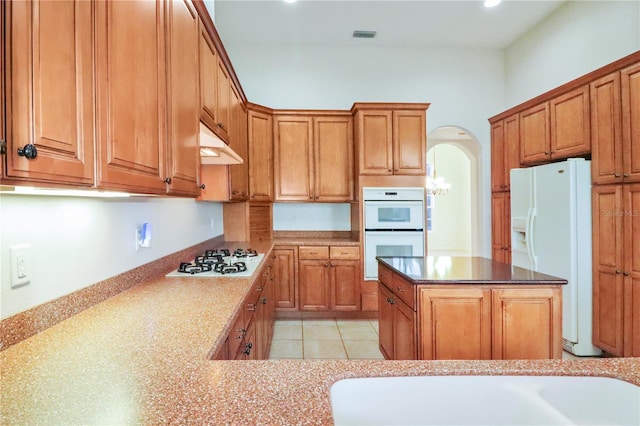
{"x":364,"y":34}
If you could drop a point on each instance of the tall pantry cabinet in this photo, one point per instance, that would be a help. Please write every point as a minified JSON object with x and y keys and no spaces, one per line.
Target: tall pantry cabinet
{"x":615,"y":122}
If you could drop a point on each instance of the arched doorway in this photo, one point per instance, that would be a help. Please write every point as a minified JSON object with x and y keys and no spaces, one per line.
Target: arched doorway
{"x":454,"y":154}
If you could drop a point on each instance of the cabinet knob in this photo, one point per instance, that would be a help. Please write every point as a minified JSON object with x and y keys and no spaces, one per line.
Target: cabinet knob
{"x":625,"y":175}
{"x":389,"y":170}
{"x":29,"y":151}
{"x":247,"y":349}
{"x":251,"y":307}
{"x":264,"y":300}
{"x":547,"y":153}
{"x":168,"y":180}
{"x":616,"y":175}
{"x":618,"y":272}
{"x":626,"y":274}
{"x":391,"y":301}
{"x":3,"y":147}
{"x":400,"y":289}
{"x":253,"y":196}
{"x":202,"y":186}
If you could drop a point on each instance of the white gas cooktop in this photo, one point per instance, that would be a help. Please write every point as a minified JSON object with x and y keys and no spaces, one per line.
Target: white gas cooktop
{"x":231,"y":267}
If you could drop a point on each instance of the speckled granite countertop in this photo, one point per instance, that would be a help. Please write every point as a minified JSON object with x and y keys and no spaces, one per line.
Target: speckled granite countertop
{"x":140,"y":357}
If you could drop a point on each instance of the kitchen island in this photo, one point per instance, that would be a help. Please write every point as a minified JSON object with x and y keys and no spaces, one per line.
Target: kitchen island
{"x":141,"y":357}
{"x":467,"y":308}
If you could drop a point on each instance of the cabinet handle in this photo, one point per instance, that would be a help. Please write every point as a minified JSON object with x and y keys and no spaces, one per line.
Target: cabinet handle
{"x":29,"y":151}
{"x":251,"y":307}
{"x":264,"y":300}
{"x":202,"y":186}
{"x":389,"y":170}
{"x":625,"y":175}
{"x":242,"y":332}
{"x":616,"y":175}
{"x":168,"y":180}
{"x":311,"y":197}
{"x":618,"y":272}
{"x":3,"y":147}
{"x":391,"y":301}
{"x":547,"y":153}
{"x":317,"y":197}
{"x":326,"y":265}
{"x":247,"y":349}
{"x":400,"y":290}
{"x":626,"y":274}
{"x":222,"y":126}
{"x":397,"y":170}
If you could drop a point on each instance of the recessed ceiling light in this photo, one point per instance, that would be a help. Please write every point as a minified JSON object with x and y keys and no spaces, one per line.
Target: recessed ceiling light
{"x":489,"y":3}
{"x":364,"y":34}
{"x":290,"y":1}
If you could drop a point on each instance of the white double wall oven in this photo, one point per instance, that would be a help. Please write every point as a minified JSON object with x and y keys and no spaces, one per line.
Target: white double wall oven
{"x":393,"y":224}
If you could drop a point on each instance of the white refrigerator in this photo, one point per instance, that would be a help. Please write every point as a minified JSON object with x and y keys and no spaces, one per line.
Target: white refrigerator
{"x":551,"y":233}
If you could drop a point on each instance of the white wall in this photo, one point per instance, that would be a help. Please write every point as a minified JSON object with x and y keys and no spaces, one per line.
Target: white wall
{"x":452,"y":211}
{"x":577,"y":38}
{"x":311,"y":217}
{"x":76,"y":242}
{"x":464,"y":86}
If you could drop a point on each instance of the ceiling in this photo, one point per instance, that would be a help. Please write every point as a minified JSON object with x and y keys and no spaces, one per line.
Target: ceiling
{"x":418,"y":23}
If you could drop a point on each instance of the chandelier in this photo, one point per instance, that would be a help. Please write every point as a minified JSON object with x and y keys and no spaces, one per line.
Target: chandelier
{"x":436,"y":185}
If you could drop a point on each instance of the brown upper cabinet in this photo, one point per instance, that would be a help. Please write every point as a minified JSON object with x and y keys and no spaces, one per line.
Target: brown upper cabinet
{"x":132,"y":102}
{"x":208,"y":79}
{"x":615,"y":126}
{"x":313,"y":158}
{"x":216,"y":93}
{"x":391,"y":138}
{"x":260,"y":129}
{"x":556,"y":129}
{"x":505,"y":151}
{"x":184,"y":109}
{"x":50,"y":92}
{"x":239,"y":173}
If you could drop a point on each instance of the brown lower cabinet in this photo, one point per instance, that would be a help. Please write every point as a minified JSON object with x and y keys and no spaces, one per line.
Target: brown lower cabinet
{"x":252,"y":331}
{"x":329,"y":278}
{"x":469,"y":321}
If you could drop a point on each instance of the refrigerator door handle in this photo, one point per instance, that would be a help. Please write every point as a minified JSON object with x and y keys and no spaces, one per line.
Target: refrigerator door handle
{"x":530,"y":242}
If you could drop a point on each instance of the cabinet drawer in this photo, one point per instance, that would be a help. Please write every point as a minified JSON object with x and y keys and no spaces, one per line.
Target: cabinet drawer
{"x":313,"y":252}
{"x":404,"y":290}
{"x":384,"y":275}
{"x":345,"y":252}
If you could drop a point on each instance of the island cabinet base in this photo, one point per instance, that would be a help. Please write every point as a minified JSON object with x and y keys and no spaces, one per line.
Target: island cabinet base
{"x":467,"y":320}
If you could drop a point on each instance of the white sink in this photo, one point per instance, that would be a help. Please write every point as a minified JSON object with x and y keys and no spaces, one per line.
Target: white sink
{"x":485,"y":400}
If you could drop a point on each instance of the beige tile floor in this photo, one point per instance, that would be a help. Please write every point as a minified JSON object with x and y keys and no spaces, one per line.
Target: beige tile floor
{"x":325,"y":339}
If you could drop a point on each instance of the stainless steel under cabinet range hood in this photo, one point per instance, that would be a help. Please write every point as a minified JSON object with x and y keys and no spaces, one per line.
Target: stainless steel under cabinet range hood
{"x":213,"y":150}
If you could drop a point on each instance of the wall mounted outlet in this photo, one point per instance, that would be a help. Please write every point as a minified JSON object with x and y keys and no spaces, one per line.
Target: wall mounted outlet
{"x":143,"y":236}
{"x":20,"y":273}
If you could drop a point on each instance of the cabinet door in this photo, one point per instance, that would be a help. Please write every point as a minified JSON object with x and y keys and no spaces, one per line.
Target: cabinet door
{"x":261,"y":160}
{"x":385,"y":321}
{"x":333,"y":159}
{"x":455,"y":323}
{"x":131,"y":104}
{"x":534,"y":134}
{"x":50,"y":92}
{"x":606,"y":132}
{"x":313,"y":280}
{"x":293,"y":158}
{"x":404,"y":331}
{"x":511,"y":147}
{"x":570,"y":123}
{"x":184,"y":107}
{"x":375,"y":138}
{"x":497,"y":156}
{"x":284,"y":271}
{"x":239,"y":173}
{"x":608,"y":288}
{"x":409,"y":142}
{"x":500,"y":226}
{"x":631,"y":271}
{"x":630,"y":88}
{"x":345,"y":285}
{"x":223,"y":107}
{"x":527,"y":323}
{"x":208,"y":79}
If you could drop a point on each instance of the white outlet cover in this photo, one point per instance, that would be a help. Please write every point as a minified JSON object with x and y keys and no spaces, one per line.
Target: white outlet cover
{"x":20,"y":263}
